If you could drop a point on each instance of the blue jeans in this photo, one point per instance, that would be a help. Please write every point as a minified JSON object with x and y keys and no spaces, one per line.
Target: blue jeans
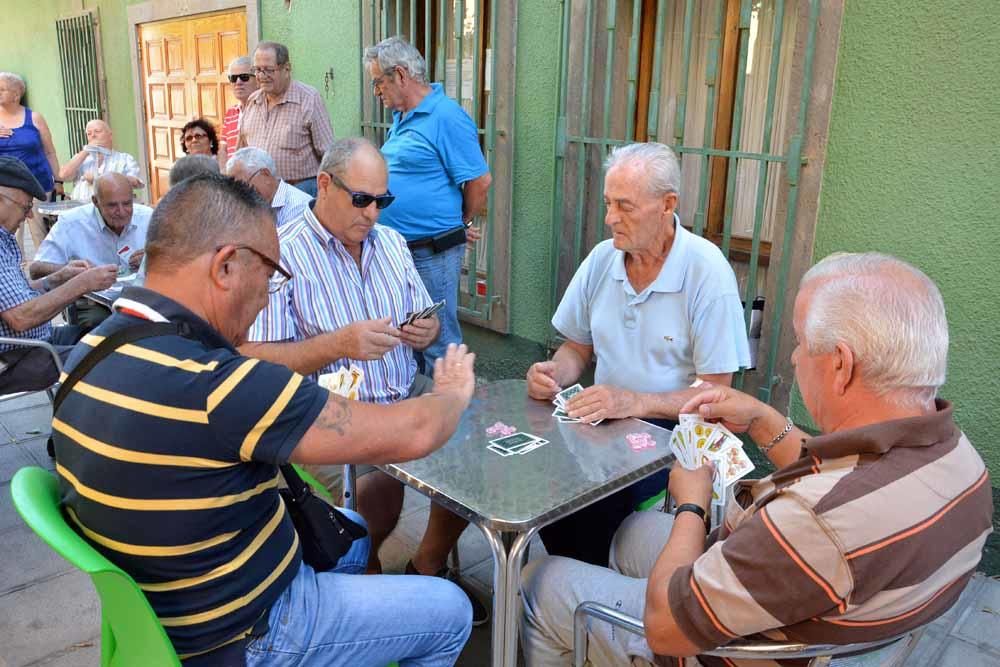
{"x":440,"y":273}
{"x":344,"y":618}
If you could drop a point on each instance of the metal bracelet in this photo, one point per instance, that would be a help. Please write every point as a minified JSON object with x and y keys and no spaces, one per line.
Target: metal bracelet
{"x":781,"y":436}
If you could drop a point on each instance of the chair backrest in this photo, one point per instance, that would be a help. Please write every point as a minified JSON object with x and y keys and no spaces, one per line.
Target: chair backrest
{"x":130,"y":632}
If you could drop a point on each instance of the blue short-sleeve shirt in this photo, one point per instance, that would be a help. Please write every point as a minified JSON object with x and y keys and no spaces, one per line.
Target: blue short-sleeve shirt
{"x":430,"y":152}
{"x":688,"y":321}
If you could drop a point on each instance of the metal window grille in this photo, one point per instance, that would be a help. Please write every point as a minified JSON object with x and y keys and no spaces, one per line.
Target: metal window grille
{"x":82,"y":77}
{"x":463,"y":47}
{"x":653,"y":70}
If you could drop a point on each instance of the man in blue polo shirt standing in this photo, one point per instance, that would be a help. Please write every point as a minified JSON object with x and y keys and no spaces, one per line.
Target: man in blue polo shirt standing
{"x":437,"y":173}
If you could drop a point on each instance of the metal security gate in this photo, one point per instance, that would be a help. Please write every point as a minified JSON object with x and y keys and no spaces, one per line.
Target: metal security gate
{"x":82,"y":74}
{"x":712,"y":79}
{"x":464,"y":43}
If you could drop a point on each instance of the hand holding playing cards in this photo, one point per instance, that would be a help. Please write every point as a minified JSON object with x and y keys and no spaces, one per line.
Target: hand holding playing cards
{"x":418,"y":334}
{"x":135,"y":259}
{"x":541,"y":381}
{"x":367,"y":340}
{"x":454,"y":374}
{"x":733,"y":408}
{"x":602,"y":401}
{"x":692,"y":486}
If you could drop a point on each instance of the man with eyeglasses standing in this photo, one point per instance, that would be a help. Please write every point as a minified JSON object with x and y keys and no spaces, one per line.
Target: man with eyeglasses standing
{"x":353,"y":283}
{"x":255,"y":167}
{"x":286,"y":118}
{"x":27,"y":306}
{"x":244,"y":84}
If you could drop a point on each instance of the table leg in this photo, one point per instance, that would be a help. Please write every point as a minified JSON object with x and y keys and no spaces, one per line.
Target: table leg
{"x":350,"y":487}
{"x":499,"y":548}
{"x":512,"y":581}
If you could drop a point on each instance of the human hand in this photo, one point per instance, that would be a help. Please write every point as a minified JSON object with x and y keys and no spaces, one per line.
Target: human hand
{"x":88,"y":176}
{"x":473,"y":233}
{"x":367,"y":340}
{"x":97,"y":278}
{"x":736,"y":410}
{"x":420,"y":333}
{"x":542,"y":383}
{"x":58,"y":189}
{"x":454,"y":374}
{"x":135,"y":182}
{"x":5,"y":131}
{"x":692,"y":486}
{"x":73,"y":268}
{"x":135,"y":259}
{"x":602,"y":401}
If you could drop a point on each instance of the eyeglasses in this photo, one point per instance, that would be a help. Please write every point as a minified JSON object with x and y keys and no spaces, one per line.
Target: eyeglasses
{"x":25,"y":208}
{"x":363,"y":199}
{"x":377,"y":82}
{"x":274,"y":284}
{"x":242,"y":77}
{"x":195,"y":136}
{"x":266,"y":71}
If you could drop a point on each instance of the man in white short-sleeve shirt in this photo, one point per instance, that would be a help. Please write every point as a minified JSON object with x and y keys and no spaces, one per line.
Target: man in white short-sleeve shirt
{"x":659,"y":308}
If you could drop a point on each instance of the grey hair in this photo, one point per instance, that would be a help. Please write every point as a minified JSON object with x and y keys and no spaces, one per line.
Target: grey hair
{"x":662,"y":169}
{"x":280,"y":51}
{"x":240,"y":61}
{"x":336,"y":159}
{"x":200,"y":214}
{"x":15,"y":80}
{"x":891,"y":316}
{"x":252,"y":159}
{"x":192,"y":165}
{"x":397,"y":52}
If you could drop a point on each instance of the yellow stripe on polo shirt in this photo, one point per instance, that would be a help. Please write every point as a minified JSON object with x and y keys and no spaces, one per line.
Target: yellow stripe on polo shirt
{"x":233,"y":565}
{"x":154,"y":357}
{"x":150,"y":550}
{"x":242,"y":601}
{"x":138,"y":405}
{"x":223,"y":390}
{"x":163,"y":504}
{"x":131,"y":456}
{"x":279,"y":405}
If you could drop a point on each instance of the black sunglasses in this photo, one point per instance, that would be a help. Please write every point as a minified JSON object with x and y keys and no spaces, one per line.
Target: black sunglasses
{"x":363,"y":199}
{"x":242,"y":77}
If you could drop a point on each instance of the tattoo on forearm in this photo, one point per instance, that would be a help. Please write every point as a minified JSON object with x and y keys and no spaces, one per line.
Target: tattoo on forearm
{"x":336,"y":415}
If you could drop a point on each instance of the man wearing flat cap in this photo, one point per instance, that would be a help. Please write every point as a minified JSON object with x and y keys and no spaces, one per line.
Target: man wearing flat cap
{"x":27,"y":306}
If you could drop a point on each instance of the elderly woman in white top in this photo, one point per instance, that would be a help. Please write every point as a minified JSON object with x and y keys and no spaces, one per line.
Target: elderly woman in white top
{"x":98,"y":158}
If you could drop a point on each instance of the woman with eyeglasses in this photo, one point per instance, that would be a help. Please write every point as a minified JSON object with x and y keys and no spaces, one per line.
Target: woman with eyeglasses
{"x":198,"y":137}
{"x":244,"y":85}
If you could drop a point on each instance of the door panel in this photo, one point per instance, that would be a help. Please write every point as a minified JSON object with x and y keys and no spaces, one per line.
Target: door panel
{"x":184,"y":77}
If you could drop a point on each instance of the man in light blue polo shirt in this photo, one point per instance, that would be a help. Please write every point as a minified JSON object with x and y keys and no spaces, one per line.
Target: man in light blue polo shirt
{"x":659,"y":308}
{"x":437,"y":173}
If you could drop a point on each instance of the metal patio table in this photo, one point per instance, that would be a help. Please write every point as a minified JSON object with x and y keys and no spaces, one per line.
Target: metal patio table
{"x":511,"y":498}
{"x":56,"y":208}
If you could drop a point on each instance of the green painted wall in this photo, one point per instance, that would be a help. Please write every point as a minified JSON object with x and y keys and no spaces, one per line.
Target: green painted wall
{"x":912,"y":170}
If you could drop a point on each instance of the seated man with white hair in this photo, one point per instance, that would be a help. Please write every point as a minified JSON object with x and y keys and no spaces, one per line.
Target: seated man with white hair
{"x":865,"y":532}
{"x":96,"y":158}
{"x":255,"y":167}
{"x":658,"y":308}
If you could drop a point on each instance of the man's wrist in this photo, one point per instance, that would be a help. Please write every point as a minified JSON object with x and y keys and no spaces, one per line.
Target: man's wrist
{"x":46,"y":284}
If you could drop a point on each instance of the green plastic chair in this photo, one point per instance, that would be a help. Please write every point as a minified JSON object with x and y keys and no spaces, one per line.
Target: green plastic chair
{"x":649,"y":503}
{"x":318,"y":488}
{"x":130,"y":632}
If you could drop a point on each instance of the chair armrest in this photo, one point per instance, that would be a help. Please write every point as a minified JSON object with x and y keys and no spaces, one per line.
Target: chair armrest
{"x":32,"y":342}
{"x":602,"y":613}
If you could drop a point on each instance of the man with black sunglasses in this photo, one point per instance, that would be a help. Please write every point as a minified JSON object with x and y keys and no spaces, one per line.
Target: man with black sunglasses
{"x":244,"y":84}
{"x":354,"y":283}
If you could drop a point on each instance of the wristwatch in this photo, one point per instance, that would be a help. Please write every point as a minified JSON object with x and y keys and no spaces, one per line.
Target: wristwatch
{"x":694,"y":509}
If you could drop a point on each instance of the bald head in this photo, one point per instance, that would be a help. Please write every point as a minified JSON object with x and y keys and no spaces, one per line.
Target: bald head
{"x":99,"y":133}
{"x":111,"y":184}
{"x":113,"y":198}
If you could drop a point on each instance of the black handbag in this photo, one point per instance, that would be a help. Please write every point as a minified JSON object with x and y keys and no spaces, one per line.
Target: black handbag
{"x":325,"y":532}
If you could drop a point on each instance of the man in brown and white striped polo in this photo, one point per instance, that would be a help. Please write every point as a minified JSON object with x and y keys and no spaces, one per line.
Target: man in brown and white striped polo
{"x":864,"y":532}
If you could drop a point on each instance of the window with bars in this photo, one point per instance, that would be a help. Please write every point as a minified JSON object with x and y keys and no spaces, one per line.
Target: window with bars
{"x":82,"y":76}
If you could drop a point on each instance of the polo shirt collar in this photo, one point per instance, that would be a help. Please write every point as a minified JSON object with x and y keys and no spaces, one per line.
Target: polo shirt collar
{"x":426,"y":106}
{"x":292,"y":94}
{"x":671,"y":276}
{"x":280,"y":194}
{"x":192,"y":326}
{"x":922,"y":431}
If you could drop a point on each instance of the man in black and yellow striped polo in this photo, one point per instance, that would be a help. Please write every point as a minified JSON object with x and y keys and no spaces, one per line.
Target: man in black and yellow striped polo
{"x":167,"y":452}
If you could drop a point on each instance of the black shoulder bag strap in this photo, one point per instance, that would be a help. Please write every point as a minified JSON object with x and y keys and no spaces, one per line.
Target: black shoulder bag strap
{"x":109,"y":345}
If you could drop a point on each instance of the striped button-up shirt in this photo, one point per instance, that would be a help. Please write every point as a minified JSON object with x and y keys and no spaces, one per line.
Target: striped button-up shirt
{"x":288,"y":203}
{"x":15,"y":290}
{"x":328,"y":291}
{"x":231,"y":128}
{"x":295,"y":132}
{"x":117,"y":162}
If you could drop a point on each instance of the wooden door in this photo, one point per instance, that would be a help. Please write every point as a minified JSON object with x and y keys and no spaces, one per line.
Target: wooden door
{"x":183,"y":65}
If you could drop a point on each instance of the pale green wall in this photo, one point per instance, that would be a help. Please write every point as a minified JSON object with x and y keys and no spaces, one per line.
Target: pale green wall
{"x":912,"y":170}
